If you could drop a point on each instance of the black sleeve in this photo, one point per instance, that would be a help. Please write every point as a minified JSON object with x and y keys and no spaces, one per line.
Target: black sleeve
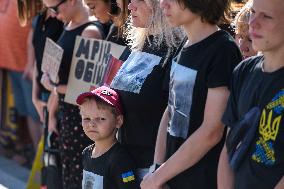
{"x":223,"y":63}
{"x":231,"y":113}
{"x":123,"y":172}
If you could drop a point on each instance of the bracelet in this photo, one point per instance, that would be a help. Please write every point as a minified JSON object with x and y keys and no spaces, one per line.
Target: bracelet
{"x":154,"y":167}
{"x":55,"y":90}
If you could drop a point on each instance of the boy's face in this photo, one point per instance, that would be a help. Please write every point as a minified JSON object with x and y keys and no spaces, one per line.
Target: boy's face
{"x":176,"y":14}
{"x":266,"y":25}
{"x":99,"y":124}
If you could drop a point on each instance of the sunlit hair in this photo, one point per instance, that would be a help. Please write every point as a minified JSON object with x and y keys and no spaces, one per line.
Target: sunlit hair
{"x":124,"y":13}
{"x":241,"y":21}
{"x":210,"y":11}
{"x":27,"y":9}
{"x":157,"y":27}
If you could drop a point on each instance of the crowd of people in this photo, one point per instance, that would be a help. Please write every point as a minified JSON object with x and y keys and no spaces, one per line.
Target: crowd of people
{"x":194,"y":104}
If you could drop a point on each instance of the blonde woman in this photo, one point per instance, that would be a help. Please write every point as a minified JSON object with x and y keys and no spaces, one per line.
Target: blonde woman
{"x":143,"y":79}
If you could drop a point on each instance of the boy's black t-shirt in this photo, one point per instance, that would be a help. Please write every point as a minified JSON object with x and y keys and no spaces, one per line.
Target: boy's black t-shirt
{"x":112,"y":170}
{"x":263,"y":165}
{"x":142,"y":83}
{"x":206,"y":64}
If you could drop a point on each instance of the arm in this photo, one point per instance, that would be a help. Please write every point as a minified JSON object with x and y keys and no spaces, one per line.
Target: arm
{"x":92,"y":32}
{"x":35,"y":92}
{"x":52,"y":106}
{"x":160,"y":149}
{"x":198,"y":144}
{"x":225,"y":174}
{"x":280,"y":184}
{"x":27,"y":74}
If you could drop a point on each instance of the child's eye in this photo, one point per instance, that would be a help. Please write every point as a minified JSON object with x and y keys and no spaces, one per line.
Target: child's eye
{"x":100,"y":118}
{"x":266,"y":16}
{"x":86,"y":120}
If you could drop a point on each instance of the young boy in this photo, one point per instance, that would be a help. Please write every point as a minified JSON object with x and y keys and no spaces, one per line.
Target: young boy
{"x":106,"y":165}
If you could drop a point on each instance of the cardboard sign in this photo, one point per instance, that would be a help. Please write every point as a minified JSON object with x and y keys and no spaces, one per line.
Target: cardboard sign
{"x":90,"y":63}
{"x":51,"y":60}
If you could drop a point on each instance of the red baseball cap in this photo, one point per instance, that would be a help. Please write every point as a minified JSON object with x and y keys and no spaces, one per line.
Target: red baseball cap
{"x":104,"y":93}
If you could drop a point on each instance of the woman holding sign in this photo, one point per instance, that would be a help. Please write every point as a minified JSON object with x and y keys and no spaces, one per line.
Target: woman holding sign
{"x":108,"y":12}
{"x":143,"y":80}
{"x":72,"y":139}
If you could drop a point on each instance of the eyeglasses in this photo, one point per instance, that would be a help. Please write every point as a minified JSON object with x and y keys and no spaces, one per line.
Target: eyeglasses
{"x":54,"y":9}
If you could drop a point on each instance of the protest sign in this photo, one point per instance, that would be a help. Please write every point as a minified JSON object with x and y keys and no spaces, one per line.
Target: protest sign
{"x":51,"y":59}
{"x":90,"y":63}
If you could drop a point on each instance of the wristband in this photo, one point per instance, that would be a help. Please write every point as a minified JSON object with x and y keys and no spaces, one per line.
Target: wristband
{"x":55,"y":90}
{"x":154,"y":167}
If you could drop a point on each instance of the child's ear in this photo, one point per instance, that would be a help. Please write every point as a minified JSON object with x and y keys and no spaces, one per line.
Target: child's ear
{"x":119,"y":121}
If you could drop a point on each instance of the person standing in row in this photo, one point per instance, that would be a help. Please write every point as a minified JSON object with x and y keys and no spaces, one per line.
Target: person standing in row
{"x":258,"y":82}
{"x":143,"y":79}
{"x":190,"y":136}
{"x":72,"y":140}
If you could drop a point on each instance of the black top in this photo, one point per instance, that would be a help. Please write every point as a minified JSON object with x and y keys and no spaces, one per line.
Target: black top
{"x":142,"y":83}
{"x":51,"y":28}
{"x":263,"y":166}
{"x":67,"y":42}
{"x":112,"y":170}
{"x":113,"y":36}
{"x":206,"y":64}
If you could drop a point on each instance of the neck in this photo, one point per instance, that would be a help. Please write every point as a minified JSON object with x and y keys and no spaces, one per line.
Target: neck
{"x":80,"y":17}
{"x":102,"y":147}
{"x":274,"y":60}
{"x":197,"y":30}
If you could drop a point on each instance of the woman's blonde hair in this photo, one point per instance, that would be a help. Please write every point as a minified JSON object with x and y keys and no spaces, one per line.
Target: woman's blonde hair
{"x":157,"y":27}
{"x":27,"y":9}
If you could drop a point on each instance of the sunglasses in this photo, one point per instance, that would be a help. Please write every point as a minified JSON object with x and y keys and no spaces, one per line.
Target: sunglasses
{"x":54,"y":9}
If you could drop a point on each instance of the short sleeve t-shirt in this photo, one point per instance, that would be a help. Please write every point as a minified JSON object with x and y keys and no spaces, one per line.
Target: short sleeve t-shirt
{"x":206,"y":64}
{"x":142,"y":83}
{"x":263,"y":165}
{"x":112,"y":170}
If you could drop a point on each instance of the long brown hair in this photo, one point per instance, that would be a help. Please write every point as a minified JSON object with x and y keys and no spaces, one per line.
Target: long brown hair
{"x":27,"y":9}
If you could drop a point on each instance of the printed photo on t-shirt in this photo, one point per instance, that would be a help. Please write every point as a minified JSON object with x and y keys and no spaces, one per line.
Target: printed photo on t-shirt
{"x":182,"y":81}
{"x":134,"y":71}
{"x":92,"y":181}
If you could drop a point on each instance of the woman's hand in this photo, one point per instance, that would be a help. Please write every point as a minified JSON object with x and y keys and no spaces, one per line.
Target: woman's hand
{"x":45,"y":81}
{"x":150,"y":182}
{"x":39,"y":105}
{"x":52,"y":105}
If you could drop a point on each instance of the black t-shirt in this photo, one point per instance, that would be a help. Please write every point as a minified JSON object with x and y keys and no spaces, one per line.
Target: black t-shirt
{"x":206,"y":64}
{"x":112,"y":170}
{"x":51,"y":28}
{"x":67,"y":42}
{"x":263,"y":166}
{"x":142,"y":83}
{"x":113,"y":36}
